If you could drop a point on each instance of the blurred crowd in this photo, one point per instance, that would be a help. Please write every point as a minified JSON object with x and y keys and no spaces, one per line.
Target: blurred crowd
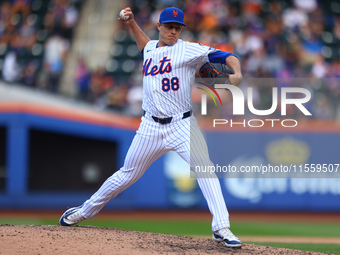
{"x":274,"y":39}
{"x":35,"y":37}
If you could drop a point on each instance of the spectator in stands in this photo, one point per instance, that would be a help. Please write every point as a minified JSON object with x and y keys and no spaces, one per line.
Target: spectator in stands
{"x":336,"y":29}
{"x":116,"y":98}
{"x":70,"y":19}
{"x":320,"y":67}
{"x":334,"y":70}
{"x":55,"y":16}
{"x":306,"y":5}
{"x":11,"y":71}
{"x":29,"y":74}
{"x":82,"y":76}
{"x":134,"y":98}
{"x":56,"y":48}
{"x":43,"y":78}
{"x":294,"y":18}
{"x":100,"y":83}
{"x":21,"y":7}
{"x":5,"y":15}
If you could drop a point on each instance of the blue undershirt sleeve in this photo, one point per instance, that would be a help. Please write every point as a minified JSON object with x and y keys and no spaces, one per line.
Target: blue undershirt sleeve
{"x":219,"y":56}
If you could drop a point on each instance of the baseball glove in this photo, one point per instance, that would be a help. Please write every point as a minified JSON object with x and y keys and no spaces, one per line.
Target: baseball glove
{"x":210,"y":75}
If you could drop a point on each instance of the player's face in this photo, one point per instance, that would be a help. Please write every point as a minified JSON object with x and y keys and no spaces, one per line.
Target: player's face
{"x":169,"y":33}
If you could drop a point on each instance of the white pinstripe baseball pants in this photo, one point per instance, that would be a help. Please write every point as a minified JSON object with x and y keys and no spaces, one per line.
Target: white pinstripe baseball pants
{"x":152,"y":141}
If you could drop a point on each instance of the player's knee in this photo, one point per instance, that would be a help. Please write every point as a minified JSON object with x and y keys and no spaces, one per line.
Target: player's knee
{"x":127,"y":169}
{"x":127,"y":176}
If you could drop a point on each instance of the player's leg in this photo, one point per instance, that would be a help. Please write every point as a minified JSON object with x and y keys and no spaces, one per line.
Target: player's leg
{"x":143,"y":151}
{"x":194,"y":150}
{"x":186,"y":132}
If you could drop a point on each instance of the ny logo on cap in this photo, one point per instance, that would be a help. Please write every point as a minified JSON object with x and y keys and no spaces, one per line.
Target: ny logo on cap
{"x":175,"y":13}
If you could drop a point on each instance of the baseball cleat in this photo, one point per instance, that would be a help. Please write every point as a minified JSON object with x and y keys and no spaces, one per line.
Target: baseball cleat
{"x":228,"y":237}
{"x":71,"y":217}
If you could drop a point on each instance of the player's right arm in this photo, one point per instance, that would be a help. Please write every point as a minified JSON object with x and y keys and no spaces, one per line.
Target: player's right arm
{"x":141,"y":38}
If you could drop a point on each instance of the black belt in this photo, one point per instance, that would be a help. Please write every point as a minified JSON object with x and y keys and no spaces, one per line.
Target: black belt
{"x":168,"y":120}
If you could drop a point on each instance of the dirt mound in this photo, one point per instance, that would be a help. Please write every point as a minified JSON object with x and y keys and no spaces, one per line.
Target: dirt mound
{"x":51,"y":239}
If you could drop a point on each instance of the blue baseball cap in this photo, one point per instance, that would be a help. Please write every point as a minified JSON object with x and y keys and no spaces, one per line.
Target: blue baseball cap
{"x":171,"y":14}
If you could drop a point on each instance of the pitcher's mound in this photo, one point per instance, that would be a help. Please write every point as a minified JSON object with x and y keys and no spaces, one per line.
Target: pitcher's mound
{"x":51,"y":239}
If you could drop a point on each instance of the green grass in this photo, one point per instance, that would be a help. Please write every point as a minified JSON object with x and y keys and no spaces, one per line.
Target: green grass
{"x":203,"y":227}
{"x":26,"y":221}
{"x":156,"y":226}
{"x":325,"y":248}
{"x":287,"y":229}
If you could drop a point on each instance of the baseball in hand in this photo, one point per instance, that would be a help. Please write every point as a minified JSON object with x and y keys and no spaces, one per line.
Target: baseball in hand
{"x":123,"y":16}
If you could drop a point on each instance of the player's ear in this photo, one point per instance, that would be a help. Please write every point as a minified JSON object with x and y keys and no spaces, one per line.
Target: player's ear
{"x":159,"y":26}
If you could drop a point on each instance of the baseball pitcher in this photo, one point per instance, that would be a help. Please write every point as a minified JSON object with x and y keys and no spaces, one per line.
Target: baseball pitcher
{"x":168,"y":123}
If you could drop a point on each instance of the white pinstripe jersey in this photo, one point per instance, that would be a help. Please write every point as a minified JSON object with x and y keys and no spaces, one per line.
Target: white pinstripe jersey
{"x":167,"y":72}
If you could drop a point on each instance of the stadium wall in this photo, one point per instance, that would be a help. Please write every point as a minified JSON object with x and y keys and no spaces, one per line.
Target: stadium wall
{"x":53,"y":158}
